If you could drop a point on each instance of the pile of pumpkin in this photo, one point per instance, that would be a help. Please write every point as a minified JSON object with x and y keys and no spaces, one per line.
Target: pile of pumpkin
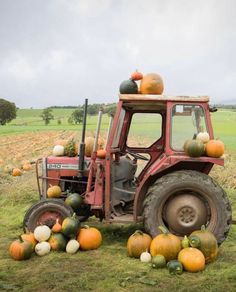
{"x":150,"y":83}
{"x":202,"y":145}
{"x":19,"y":171}
{"x":167,"y":250}
{"x":70,"y":147}
{"x":67,"y":236}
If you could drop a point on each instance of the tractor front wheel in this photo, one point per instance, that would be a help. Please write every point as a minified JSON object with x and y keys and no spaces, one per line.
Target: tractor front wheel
{"x":46,"y":212}
{"x":185,"y":200}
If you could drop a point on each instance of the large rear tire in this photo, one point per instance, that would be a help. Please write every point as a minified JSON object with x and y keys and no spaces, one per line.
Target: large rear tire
{"x":46,"y":212}
{"x":185,"y":200}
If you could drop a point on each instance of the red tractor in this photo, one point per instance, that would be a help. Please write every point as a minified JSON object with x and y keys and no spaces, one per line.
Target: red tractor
{"x":141,"y":180}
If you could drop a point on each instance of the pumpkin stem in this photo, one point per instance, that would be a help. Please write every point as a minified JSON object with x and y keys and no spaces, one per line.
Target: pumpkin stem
{"x":20,"y":238}
{"x":86,"y":226}
{"x":163,"y":229}
{"x":138,"y":232}
{"x":203,"y":227}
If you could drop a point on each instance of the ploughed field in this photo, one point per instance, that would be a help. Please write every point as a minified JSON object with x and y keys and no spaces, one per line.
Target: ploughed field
{"x":108,"y":268}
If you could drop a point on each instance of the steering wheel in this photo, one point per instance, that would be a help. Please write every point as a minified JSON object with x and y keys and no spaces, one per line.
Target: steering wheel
{"x":137,"y":156}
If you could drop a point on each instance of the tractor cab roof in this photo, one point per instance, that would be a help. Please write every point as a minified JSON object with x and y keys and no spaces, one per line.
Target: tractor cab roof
{"x":152,"y":102}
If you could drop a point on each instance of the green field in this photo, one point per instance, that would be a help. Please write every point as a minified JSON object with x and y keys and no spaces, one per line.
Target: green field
{"x":108,"y":268}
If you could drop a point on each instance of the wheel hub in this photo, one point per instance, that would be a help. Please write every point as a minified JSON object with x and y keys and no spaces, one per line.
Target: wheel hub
{"x":185,"y":213}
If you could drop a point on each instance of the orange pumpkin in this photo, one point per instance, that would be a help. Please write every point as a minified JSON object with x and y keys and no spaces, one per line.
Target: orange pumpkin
{"x":101,"y":153}
{"x":20,"y":250}
{"x":54,"y":191}
{"x":151,"y":84}
{"x":136,"y":75}
{"x":215,"y":148}
{"x":166,"y":244}
{"x":138,"y":243}
{"x":27,"y":166}
{"x":89,"y":238}
{"x":56,"y":227}
{"x":29,"y":236}
{"x":192,"y":259}
{"x":16,"y":172}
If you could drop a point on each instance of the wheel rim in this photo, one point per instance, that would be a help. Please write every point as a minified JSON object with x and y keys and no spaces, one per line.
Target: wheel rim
{"x":185,"y":211}
{"x":48,"y":218}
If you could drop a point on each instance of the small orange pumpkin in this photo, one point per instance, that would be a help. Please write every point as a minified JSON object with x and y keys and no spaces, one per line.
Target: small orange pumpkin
{"x":101,"y":153}
{"x":20,"y":250}
{"x":166,"y":244}
{"x":138,"y":243}
{"x":16,"y":172}
{"x":29,"y":236}
{"x":56,"y":227}
{"x":192,"y":259}
{"x":136,"y":75}
{"x":215,"y":148}
{"x":27,"y":166}
{"x":89,"y":238}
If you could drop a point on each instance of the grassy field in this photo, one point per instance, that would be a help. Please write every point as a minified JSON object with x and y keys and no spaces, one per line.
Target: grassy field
{"x":108,"y":268}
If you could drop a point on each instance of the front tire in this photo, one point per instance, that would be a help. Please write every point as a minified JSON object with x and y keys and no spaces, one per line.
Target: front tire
{"x":46,"y":212}
{"x":185,"y":200}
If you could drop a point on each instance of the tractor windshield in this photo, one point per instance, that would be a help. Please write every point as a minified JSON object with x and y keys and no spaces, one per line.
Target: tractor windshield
{"x":187,"y":122}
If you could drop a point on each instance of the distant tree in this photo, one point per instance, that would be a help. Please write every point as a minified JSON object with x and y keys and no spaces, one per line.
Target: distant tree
{"x":111,"y":110}
{"x":7,"y":111}
{"x":59,"y":121}
{"x":47,"y":115}
{"x":76,"y":117}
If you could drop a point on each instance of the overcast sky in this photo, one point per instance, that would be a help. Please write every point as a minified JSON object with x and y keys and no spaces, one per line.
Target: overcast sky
{"x":57,"y":52}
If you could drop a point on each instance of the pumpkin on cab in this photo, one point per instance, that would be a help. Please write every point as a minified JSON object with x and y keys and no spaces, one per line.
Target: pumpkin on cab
{"x":20,"y":249}
{"x":166,"y":244}
{"x":215,"y":148}
{"x":136,"y":75}
{"x":128,"y":87}
{"x":203,"y":136}
{"x":101,"y":153}
{"x":138,"y":243}
{"x":58,"y":150}
{"x":89,"y":238}
{"x":151,"y":83}
{"x":195,"y":148}
{"x":192,"y":259}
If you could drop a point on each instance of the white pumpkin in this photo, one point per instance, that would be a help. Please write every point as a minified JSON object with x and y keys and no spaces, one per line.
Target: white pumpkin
{"x":72,"y":246}
{"x":145,"y":257}
{"x":42,"y":233}
{"x":203,"y":136}
{"x":58,"y":150}
{"x":42,"y":248}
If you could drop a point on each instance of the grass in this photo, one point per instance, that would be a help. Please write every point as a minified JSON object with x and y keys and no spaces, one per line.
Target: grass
{"x":108,"y":268}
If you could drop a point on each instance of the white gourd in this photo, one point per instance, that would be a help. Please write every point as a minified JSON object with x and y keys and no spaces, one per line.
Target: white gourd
{"x":42,"y":233}
{"x":203,"y":136}
{"x":145,"y":257}
{"x":58,"y":150}
{"x":42,"y":248}
{"x":72,"y":246}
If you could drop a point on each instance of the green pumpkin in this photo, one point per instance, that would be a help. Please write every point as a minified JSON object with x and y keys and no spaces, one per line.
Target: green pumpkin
{"x":194,"y":241}
{"x":128,"y":87}
{"x":58,"y":242}
{"x":158,"y":261}
{"x":74,"y":200}
{"x":195,"y":148}
{"x":208,"y":243}
{"x":175,"y":267}
{"x":185,"y":242}
{"x":70,"y":226}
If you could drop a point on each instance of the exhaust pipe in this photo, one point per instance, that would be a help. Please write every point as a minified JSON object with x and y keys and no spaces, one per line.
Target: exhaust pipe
{"x":82,"y":144}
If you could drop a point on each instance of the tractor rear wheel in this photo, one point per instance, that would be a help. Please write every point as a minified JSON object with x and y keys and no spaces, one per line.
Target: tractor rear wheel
{"x":46,"y":212}
{"x":185,"y":200}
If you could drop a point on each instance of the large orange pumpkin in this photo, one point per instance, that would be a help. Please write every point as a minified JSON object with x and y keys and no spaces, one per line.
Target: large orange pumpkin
{"x":151,"y":84}
{"x":16,"y":172}
{"x":192,"y":259}
{"x":138,"y":243}
{"x":29,"y":236}
{"x":166,"y":244}
{"x":215,"y":148}
{"x":101,"y":153}
{"x":89,"y":238}
{"x":20,"y":250}
{"x":208,"y":243}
